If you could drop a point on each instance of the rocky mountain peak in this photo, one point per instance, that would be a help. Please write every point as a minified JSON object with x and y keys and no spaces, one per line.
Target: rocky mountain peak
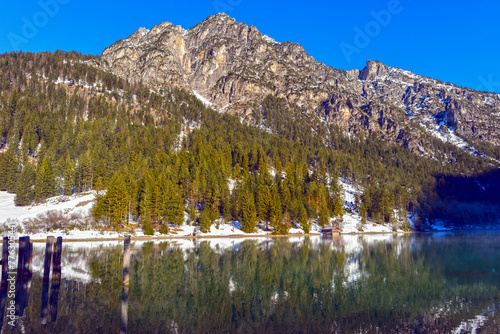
{"x":373,"y":69}
{"x":220,"y":16}
{"x":228,"y":62}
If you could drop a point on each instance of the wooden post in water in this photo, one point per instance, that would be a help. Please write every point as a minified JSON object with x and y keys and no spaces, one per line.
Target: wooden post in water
{"x":126,"y":281}
{"x":21,"y":257}
{"x":5,"y":275}
{"x":27,"y":273}
{"x":46,"y":280}
{"x":56,"y":279}
{"x":126,"y":260}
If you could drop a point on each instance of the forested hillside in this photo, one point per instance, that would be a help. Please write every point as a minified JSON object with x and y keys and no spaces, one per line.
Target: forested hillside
{"x":69,"y":127}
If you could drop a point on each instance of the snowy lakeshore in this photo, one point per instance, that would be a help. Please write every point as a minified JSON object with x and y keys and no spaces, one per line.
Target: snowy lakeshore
{"x":76,"y":211}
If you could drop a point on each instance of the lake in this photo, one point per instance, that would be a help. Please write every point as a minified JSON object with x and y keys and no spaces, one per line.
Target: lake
{"x":418,"y":283}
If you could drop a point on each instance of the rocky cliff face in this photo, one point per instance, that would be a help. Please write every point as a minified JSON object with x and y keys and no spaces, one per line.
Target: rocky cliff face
{"x":448,"y":109}
{"x":234,"y":66}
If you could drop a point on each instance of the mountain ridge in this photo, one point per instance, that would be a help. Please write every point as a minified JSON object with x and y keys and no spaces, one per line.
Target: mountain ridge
{"x":234,"y":66}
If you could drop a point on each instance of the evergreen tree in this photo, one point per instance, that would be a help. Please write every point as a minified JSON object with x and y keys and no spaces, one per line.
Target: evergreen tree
{"x":324,"y":214}
{"x":25,"y":193}
{"x":365,"y":205}
{"x":174,"y":205}
{"x":237,"y":172}
{"x":387,"y":205}
{"x":204,"y":221}
{"x":265,"y":199}
{"x":304,"y":220}
{"x":248,"y":214}
{"x":44,"y":182}
{"x":68,"y":176}
{"x":8,"y":170}
{"x":338,"y":211}
{"x":113,"y":206}
{"x":146,"y":190}
{"x":275,"y":211}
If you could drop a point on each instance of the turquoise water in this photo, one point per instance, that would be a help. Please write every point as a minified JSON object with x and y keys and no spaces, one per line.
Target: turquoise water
{"x":376,"y":283}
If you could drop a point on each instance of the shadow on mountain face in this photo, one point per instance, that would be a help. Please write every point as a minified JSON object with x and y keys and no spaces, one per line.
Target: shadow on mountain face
{"x":466,"y":201}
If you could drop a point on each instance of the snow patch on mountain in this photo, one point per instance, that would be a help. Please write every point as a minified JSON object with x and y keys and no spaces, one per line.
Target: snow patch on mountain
{"x":205,"y":101}
{"x":269,"y":39}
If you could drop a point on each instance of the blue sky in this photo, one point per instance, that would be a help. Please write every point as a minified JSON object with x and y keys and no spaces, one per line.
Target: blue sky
{"x":457,"y":42}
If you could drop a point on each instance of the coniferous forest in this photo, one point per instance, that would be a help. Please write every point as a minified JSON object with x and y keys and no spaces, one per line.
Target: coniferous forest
{"x":160,"y":155}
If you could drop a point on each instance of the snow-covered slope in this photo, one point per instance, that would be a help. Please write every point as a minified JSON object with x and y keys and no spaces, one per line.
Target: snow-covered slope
{"x":70,"y":205}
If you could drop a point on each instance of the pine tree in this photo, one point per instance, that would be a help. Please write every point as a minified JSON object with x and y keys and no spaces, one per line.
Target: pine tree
{"x":338,"y":211}
{"x":264,"y":210}
{"x":363,"y":212}
{"x":365,"y":205}
{"x":175,"y":206}
{"x":226,"y":203}
{"x":204,"y":221}
{"x":324,"y":214}
{"x":132,"y":191}
{"x":248,"y":214}
{"x":323,"y":218}
{"x":146,"y":197}
{"x":245,"y":165}
{"x":113,"y":206}
{"x":237,"y":172}
{"x":87,"y":171}
{"x":44,"y":182}
{"x":25,"y":193}
{"x":69,"y":176}
{"x":213,"y":212}
{"x":275,"y":211}
{"x":304,"y":220}
{"x":8,"y":170}
{"x":387,"y":205}
{"x":284,"y":224}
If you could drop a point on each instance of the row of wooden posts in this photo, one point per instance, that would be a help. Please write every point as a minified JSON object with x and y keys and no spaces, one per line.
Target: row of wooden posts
{"x":52,"y":259}
{"x":23,"y":277}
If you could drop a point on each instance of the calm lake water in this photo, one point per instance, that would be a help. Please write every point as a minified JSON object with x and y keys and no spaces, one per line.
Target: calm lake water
{"x":443,"y":283}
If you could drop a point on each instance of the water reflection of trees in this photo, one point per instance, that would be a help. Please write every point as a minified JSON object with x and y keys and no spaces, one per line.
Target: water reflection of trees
{"x":277,"y":286}
{"x":283,"y":287}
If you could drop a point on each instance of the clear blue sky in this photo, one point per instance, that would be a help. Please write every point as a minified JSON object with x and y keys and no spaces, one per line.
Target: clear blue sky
{"x":454,"y":41}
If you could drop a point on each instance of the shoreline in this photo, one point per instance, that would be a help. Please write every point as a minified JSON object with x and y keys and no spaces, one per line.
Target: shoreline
{"x":235,"y":236}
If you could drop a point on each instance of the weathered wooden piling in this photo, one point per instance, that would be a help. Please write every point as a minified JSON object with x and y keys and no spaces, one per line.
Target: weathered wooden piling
{"x":126,"y":259}
{"x":56,"y":279}
{"x":28,"y":274}
{"x":126,"y":281}
{"x":46,"y":280}
{"x":5,"y":275}
{"x":21,"y":258}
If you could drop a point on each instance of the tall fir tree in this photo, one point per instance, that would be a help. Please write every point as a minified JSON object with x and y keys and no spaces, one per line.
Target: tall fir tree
{"x":68,"y":176}
{"x":8,"y":170}
{"x":114,"y":205}
{"x":174,"y":205}
{"x":248,"y":213}
{"x":338,"y":211}
{"x":146,"y":190}
{"x":204,"y":221}
{"x":304,"y":220}
{"x":264,"y":210}
{"x":25,"y":192}
{"x":275,"y":211}
{"x":44,"y":182}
